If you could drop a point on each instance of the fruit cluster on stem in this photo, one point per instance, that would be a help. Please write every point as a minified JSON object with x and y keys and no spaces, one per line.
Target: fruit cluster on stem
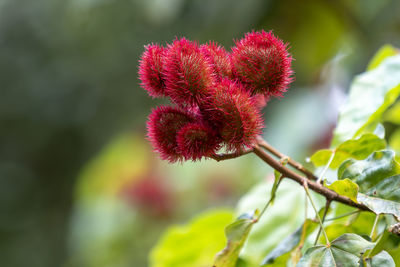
{"x":216,"y":95}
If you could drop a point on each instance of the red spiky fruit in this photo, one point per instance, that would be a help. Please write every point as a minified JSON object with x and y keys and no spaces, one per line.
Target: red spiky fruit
{"x":261,"y":61}
{"x":197,"y":140}
{"x":151,"y":66}
{"x":219,"y":58}
{"x":235,"y":114}
{"x":188,"y":73}
{"x":162,"y":127}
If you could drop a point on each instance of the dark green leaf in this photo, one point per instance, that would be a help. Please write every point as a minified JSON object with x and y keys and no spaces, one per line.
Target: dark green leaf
{"x":344,"y":251}
{"x":383,"y":259}
{"x":290,"y":242}
{"x":369,"y":172}
{"x":382,"y":243}
{"x":388,"y":189}
{"x":236,"y":234}
{"x":379,"y":205}
{"x":346,"y":188}
{"x":359,"y":148}
{"x":371,"y":94}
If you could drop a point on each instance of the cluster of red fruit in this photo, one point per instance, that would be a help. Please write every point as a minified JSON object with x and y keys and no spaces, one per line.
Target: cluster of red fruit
{"x":217,"y":95}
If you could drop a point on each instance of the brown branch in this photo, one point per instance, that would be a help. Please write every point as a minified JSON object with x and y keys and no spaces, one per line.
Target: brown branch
{"x":293,"y":163}
{"x":316,"y":187}
{"x":220,"y":157}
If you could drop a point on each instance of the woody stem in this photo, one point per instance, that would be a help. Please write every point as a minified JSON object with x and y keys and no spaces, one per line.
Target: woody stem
{"x":316,"y":187}
{"x":264,"y":144}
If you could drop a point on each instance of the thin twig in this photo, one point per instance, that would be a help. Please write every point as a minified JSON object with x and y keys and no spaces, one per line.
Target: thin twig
{"x":305,"y":185}
{"x":321,"y":175}
{"x":320,"y":189}
{"x":293,"y":163}
{"x":220,"y":157}
{"x":371,"y":235}
{"x":327,"y":204}
{"x":343,"y":215}
{"x":270,"y":200}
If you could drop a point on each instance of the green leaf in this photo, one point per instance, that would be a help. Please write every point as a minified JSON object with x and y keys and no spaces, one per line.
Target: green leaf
{"x":388,"y":189}
{"x":360,"y":224}
{"x":359,"y":148}
{"x":290,"y":242}
{"x":384,"y":52}
{"x":277,"y":179}
{"x":371,"y":93}
{"x":236,"y":234}
{"x":394,"y":141}
{"x":382,"y":243}
{"x":346,"y":188}
{"x":344,"y":251}
{"x":194,"y":244}
{"x":369,"y":172}
{"x":383,"y":259}
{"x":396,"y":255}
{"x":393,"y":114}
{"x":379,"y":205}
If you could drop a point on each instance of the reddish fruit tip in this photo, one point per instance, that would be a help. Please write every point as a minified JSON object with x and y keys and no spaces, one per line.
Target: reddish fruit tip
{"x":219,"y":58}
{"x":235,"y":114}
{"x":197,"y":140}
{"x":188,"y":73}
{"x":162,"y":127}
{"x":151,"y":66}
{"x":261,"y":61}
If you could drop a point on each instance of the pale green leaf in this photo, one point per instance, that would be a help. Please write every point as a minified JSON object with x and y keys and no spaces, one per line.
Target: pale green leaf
{"x":384,"y":52}
{"x":379,"y":205}
{"x":344,"y":251}
{"x":369,"y":172}
{"x":194,"y":244}
{"x":236,"y":234}
{"x":359,"y":148}
{"x":371,"y":93}
{"x":290,"y":242}
{"x":279,"y":221}
{"x":383,"y":259}
{"x":346,"y":188}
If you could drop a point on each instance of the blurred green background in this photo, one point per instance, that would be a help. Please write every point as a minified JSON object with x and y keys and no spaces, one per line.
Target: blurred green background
{"x":79,"y":185}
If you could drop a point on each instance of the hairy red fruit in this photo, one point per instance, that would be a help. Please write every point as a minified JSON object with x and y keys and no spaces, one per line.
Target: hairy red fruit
{"x":219,"y":58}
{"x":235,"y":114}
{"x":162,"y":127}
{"x":188,"y":73}
{"x":261,"y":61}
{"x":197,"y":140}
{"x":150,"y":70}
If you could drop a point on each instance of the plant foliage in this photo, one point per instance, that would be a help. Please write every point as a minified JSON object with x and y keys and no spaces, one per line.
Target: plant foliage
{"x":366,"y":172}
